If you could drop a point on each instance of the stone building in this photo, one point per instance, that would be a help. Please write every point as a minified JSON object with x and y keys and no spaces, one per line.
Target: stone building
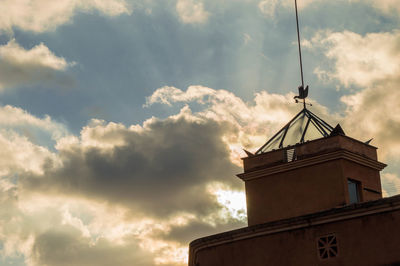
{"x":314,"y":197}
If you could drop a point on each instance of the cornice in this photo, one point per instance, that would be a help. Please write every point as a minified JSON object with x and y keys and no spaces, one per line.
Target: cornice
{"x":340,"y":154}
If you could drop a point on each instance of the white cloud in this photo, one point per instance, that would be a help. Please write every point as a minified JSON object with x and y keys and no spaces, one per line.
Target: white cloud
{"x":18,"y":154}
{"x":251,"y":123}
{"x":375,"y":113}
{"x":390,"y":184}
{"x":385,"y":5}
{"x":268,"y":7}
{"x":191,"y":11}
{"x":39,"y":55}
{"x":45,"y":15}
{"x":372,"y":63}
{"x":51,"y":230}
{"x":19,"y":66}
{"x":20,"y":137}
{"x":233,"y":201}
{"x":360,"y":60}
{"x":20,"y":120}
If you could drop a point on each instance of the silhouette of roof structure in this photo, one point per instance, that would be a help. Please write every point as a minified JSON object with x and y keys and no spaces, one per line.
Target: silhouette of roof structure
{"x":305,"y":126}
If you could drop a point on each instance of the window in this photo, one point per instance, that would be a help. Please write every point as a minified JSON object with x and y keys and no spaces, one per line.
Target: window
{"x":327,"y":247}
{"x":290,"y":155}
{"x":353,"y":187}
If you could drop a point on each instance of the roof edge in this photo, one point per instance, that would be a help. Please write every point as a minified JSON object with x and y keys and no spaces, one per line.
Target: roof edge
{"x":324,"y":217}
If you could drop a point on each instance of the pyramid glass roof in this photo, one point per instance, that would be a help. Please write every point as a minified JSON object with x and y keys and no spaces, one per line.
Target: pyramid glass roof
{"x":303,"y":127}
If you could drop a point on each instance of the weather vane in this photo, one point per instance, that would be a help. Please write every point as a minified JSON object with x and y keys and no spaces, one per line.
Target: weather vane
{"x":303,"y":92}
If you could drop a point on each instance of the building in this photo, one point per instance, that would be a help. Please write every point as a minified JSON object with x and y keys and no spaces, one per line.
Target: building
{"x":313,"y":198}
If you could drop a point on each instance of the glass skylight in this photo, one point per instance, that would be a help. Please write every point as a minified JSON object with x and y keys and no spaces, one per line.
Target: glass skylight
{"x":303,"y":127}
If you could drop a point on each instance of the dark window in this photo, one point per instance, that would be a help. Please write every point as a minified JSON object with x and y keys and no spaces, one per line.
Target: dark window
{"x":353,"y":187}
{"x":327,"y":247}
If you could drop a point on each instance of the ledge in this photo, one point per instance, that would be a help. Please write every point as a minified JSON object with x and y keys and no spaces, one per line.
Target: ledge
{"x":324,"y":217}
{"x":341,"y":154}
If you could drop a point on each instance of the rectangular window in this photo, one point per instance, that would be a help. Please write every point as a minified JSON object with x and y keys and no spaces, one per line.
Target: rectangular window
{"x":290,"y":155}
{"x":353,"y":187}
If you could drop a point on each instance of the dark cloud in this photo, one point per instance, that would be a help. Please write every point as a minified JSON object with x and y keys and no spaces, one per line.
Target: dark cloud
{"x":161,"y":170}
{"x":20,"y":67}
{"x":12,"y":76}
{"x":196,"y":229}
{"x":66,"y":246}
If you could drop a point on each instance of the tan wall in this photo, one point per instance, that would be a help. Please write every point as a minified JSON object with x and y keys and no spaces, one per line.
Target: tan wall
{"x":369,"y":179}
{"x":294,"y":193}
{"x":367,"y":240}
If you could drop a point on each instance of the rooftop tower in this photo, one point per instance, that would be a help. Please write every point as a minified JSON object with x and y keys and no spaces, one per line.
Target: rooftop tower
{"x":309,"y":166}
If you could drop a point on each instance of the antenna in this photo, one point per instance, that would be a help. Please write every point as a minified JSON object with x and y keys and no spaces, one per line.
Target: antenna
{"x":303,"y":92}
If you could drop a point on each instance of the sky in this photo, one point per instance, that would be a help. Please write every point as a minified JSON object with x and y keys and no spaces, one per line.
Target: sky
{"x":122,"y":122}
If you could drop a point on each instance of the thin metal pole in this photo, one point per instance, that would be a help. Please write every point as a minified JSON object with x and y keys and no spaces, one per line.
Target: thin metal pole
{"x":301,"y":61}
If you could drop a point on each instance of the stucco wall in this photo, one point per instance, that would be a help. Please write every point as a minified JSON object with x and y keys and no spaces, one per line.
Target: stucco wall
{"x":294,"y":193}
{"x":365,"y":236}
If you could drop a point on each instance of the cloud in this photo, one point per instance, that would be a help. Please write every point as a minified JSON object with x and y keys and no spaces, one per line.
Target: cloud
{"x":191,"y":11}
{"x":251,"y":123}
{"x":269,"y":7}
{"x":39,"y":55}
{"x":21,"y":136}
{"x":155,"y":169}
{"x":69,"y":247}
{"x":47,"y":15}
{"x":360,"y":60}
{"x":196,"y":228}
{"x":149,"y":188}
{"x":29,"y":125}
{"x":387,"y":6}
{"x":390,"y":184}
{"x":222,"y":105}
{"x":143,"y":178}
{"x":19,"y":154}
{"x":133,"y":192}
{"x":374,"y":113}
{"x":57,"y":231}
{"x":21,"y":67}
{"x":372,"y":64}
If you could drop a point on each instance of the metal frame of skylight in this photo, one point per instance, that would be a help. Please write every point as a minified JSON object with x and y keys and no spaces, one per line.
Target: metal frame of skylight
{"x":323,"y":128}
{"x":321,"y":124}
{"x":280,"y":131}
